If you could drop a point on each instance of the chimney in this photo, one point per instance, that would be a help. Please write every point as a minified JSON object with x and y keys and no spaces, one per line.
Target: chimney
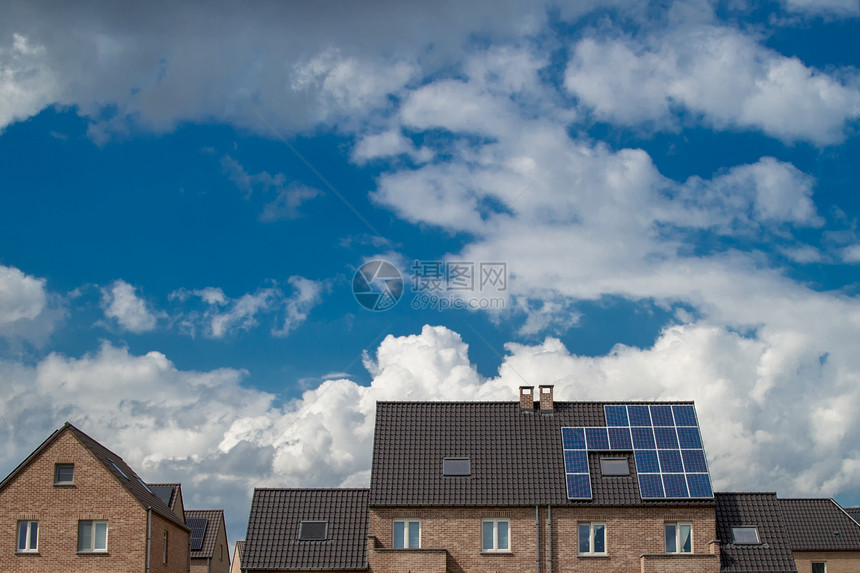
{"x":527,"y":399}
{"x":546,"y":398}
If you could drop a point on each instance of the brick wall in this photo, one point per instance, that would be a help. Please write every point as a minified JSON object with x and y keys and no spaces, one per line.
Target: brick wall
{"x":837,"y":561}
{"x":177,"y":547}
{"x":95,"y":495}
{"x":630,"y":533}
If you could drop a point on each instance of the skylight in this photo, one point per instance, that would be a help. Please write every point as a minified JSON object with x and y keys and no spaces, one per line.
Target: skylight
{"x":457,"y":467}
{"x":745,"y":535}
{"x":313,"y":530}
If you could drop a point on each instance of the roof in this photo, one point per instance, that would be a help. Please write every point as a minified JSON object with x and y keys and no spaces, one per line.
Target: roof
{"x":773,"y":555}
{"x":517,"y":456}
{"x":168,"y":492}
{"x":819,"y":525}
{"x":272,"y":540}
{"x":215,"y":522}
{"x":114,"y":465}
{"x":854,"y":512}
{"x":240,"y":547}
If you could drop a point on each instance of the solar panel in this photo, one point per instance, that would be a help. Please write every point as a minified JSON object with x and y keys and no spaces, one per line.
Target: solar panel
{"x":165,"y":492}
{"x":667,"y":448}
{"x":666,"y":438}
{"x":619,"y":438}
{"x":198,"y":530}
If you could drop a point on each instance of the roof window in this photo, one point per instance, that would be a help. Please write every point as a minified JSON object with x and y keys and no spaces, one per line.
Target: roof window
{"x":313,"y":530}
{"x":614,"y":467}
{"x":745,"y":535}
{"x":457,"y":467}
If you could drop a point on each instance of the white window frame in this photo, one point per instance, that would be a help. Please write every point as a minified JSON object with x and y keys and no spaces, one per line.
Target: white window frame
{"x":678,"y":525}
{"x":495,"y":523}
{"x":592,"y":525}
{"x":28,"y":523}
{"x":406,"y":521}
{"x":753,"y":527}
{"x":92,"y":548}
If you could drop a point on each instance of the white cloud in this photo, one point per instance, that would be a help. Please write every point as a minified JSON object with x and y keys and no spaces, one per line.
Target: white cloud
{"x":28,"y":311}
{"x":388,"y":144}
{"x":835,"y":7}
{"x":26,"y":84}
{"x":223,"y":317}
{"x":121,"y":303}
{"x":720,"y":74}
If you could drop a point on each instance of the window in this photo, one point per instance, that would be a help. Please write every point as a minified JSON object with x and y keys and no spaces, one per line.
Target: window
{"x":407,"y":534}
{"x":592,"y":538}
{"x":28,"y":536}
{"x":679,"y":538}
{"x":221,"y":552}
{"x":614,"y":467}
{"x":745,"y":535}
{"x":92,"y":536}
{"x":456,"y":467}
{"x":164,"y":549}
{"x":313,"y":530}
{"x":64,"y":474}
{"x":495,"y":535}
{"x":819,"y":568}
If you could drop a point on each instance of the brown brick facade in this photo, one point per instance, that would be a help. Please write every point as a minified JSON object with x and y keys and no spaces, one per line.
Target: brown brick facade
{"x":95,"y":495}
{"x":634,"y":540}
{"x":837,"y":561}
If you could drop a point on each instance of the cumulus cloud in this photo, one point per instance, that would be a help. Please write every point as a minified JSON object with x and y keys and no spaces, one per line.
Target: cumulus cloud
{"x":28,"y":311}
{"x":221,"y":316}
{"x":288,"y":197}
{"x":824,"y":7}
{"x":717,"y":73}
{"x":122,"y":304}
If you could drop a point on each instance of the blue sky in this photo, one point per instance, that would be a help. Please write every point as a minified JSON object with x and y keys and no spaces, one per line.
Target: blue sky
{"x":187,"y":194}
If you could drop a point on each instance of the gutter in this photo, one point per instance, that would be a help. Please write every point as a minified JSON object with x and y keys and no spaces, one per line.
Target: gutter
{"x":148,"y":535}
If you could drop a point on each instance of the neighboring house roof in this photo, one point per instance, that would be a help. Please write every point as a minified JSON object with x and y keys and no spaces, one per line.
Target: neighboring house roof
{"x":517,"y":457}
{"x":114,"y":465}
{"x":214,"y":523}
{"x":854,"y":512}
{"x":168,"y":492}
{"x":272,"y":541}
{"x":240,"y":547}
{"x":762,"y":510}
{"x":819,"y":525}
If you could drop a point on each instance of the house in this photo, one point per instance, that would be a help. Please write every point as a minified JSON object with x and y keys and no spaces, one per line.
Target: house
{"x":171,"y":495}
{"x":236,"y":565}
{"x":210,"y":552}
{"x":545,"y":486}
{"x":74,"y":505}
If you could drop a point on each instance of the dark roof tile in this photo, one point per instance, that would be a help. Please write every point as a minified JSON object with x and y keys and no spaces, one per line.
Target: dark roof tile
{"x":819,"y":525}
{"x":773,"y":555}
{"x":273,"y":529}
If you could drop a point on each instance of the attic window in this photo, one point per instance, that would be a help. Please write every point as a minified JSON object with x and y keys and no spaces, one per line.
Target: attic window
{"x":745,"y":535}
{"x":313,"y":530}
{"x":614,"y":467}
{"x":64,"y":474}
{"x":457,"y":467}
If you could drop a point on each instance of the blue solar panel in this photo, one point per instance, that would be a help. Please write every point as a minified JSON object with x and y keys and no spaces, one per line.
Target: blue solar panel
{"x":616,"y":415}
{"x":676,"y":485}
{"x":666,"y":438}
{"x":694,"y":461}
{"x":670,"y":461}
{"x":650,"y":486}
{"x":639,"y":415}
{"x":685,"y":415}
{"x":596,"y":438}
{"x":575,"y":462}
{"x":198,"y":530}
{"x":667,"y":448}
{"x":578,"y":486}
{"x":619,"y":439}
{"x":700,"y":485}
{"x":662,"y":416}
{"x":689,"y":438}
{"x":646,"y":461}
{"x":573,"y":438}
{"x":643,"y":439}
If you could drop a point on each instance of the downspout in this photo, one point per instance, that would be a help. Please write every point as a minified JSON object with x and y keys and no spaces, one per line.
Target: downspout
{"x":537,"y":538}
{"x":148,"y":535}
{"x":208,"y":565}
{"x":549,"y":538}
